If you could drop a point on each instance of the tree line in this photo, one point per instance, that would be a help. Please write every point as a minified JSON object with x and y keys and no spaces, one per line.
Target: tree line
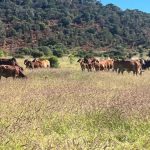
{"x":72,"y":23}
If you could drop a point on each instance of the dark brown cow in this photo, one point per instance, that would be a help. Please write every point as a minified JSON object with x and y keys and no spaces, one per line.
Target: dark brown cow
{"x":89,"y":63}
{"x":5,"y":61}
{"x":82,"y":64}
{"x":128,"y":65}
{"x":12,"y":62}
{"x":11,"y":71}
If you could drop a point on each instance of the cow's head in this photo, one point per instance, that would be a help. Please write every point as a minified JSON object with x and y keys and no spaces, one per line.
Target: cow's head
{"x":142,"y":61}
{"x":14,"y":61}
{"x":25,"y":61}
{"x":28,"y":64}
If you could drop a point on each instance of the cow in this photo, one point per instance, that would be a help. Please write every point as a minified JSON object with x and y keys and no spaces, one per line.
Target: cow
{"x":82,"y":64}
{"x":11,"y":61}
{"x":45,"y":63}
{"x":146,"y":64}
{"x":96,"y":64}
{"x":128,"y":65}
{"x":88,"y":62}
{"x":32,"y":64}
{"x":110,"y":64}
{"x":103,"y":64}
{"x":11,"y":71}
{"x":5,"y":61}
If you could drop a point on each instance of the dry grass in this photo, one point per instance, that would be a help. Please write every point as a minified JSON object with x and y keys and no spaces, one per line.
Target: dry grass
{"x":68,"y":109}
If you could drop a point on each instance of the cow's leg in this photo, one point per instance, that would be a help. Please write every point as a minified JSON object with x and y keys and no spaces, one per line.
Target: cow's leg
{"x":135,"y":72}
{"x":90,"y":68}
{"x":141,"y":72}
{"x":13,"y":77}
{"x":119,"y":71}
{"x":82,"y":68}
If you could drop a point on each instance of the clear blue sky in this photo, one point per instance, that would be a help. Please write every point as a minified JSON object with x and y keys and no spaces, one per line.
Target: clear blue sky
{"x":143,"y":5}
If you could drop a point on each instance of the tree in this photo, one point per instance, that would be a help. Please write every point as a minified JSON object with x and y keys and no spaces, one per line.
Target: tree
{"x":2,"y":30}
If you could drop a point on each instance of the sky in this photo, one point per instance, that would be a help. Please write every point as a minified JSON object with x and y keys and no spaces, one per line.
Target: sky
{"x":142,"y":5}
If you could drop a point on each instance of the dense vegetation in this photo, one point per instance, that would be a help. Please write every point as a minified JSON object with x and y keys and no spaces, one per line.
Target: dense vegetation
{"x":75,"y":24}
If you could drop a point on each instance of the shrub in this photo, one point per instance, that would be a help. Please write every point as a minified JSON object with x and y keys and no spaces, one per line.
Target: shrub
{"x":71,"y":58}
{"x":46,"y":50}
{"x":2,"y":53}
{"x":36,"y":54}
{"x":87,"y":54}
{"x":116,"y":54}
{"x":65,"y":22}
{"x":58,"y":52}
{"x":54,"y":62}
{"x":148,"y":54}
{"x":42,"y":26}
{"x":24,"y":51}
{"x":18,"y":56}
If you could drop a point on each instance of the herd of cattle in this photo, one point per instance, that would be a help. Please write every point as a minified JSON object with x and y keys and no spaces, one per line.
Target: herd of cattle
{"x":119,"y":66}
{"x":10,"y":67}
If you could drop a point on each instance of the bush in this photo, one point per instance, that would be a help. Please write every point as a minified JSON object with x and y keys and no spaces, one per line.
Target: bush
{"x":18,"y":56}
{"x":65,"y":22}
{"x":71,"y":58}
{"x":2,"y":53}
{"x":148,"y":54}
{"x":24,"y":51}
{"x":46,"y":50}
{"x":36,"y":54}
{"x":87,"y":54}
{"x":54,"y":62}
{"x":58,"y":52}
{"x":116,"y":54}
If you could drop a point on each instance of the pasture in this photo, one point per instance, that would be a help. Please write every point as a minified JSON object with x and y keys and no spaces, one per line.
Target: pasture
{"x":68,"y":109}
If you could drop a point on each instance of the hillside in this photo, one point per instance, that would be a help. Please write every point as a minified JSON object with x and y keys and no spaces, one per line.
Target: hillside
{"x":74,"y":23}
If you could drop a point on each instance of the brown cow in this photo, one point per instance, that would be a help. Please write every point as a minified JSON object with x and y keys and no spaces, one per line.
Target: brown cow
{"x":110,"y":64}
{"x":11,"y":71}
{"x":32,"y":65}
{"x":96,"y":64}
{"x":89,"y":64}
{"x":45,"y":63}
{"x":103,"y":64}
{"x":128,"y":65}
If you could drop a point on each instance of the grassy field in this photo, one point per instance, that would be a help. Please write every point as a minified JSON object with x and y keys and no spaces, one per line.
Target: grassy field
{"x":66,"y":109}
